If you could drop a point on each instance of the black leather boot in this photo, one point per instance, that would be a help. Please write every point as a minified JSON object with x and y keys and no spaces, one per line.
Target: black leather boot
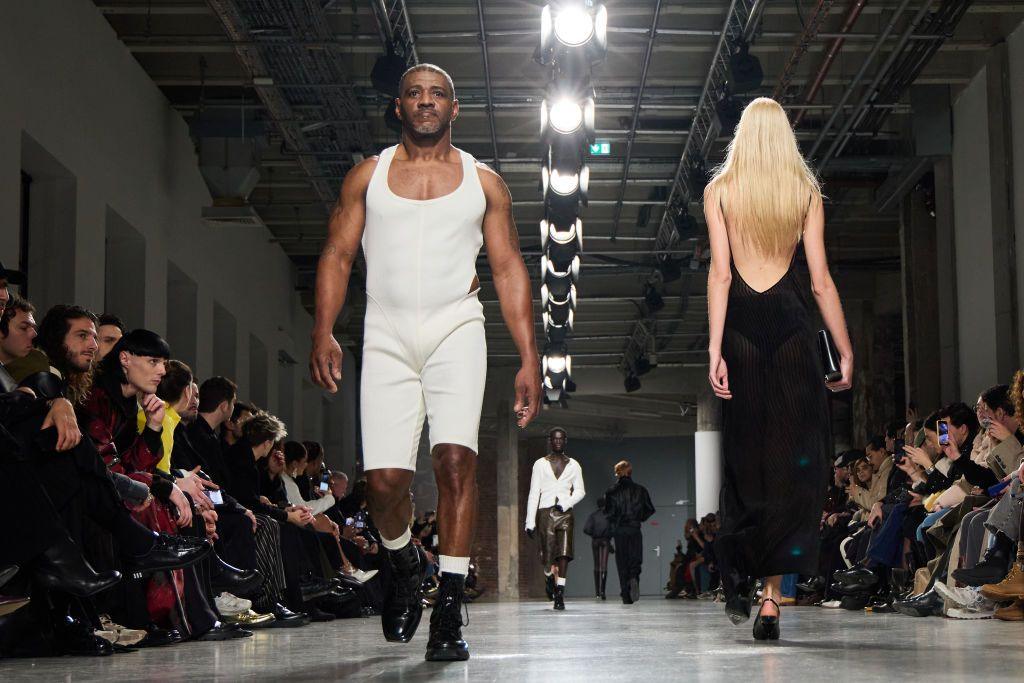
{"x":560,"y":598}
{"x":77,"y":639}
{"x":226,"y":578}
{"x":403,"y":606}
{"x":63,"y":568}
{"x":549,"y":586}
{"x":604,"y":583}
{"x":170,"y":552}
{"x":445,"y":643}
{"x":597,"y":584}
{"x":992,"y":568}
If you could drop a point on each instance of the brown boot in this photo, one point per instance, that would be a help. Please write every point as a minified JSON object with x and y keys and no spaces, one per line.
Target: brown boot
{"x":1010,"y":588}
{"x":1014,"y":612}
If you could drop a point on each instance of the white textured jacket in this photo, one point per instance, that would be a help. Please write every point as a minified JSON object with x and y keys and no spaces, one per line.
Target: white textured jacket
{"x":546,"y":490}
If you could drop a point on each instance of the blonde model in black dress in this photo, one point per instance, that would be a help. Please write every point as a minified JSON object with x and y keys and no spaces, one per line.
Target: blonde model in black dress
{"x":761,"y":204}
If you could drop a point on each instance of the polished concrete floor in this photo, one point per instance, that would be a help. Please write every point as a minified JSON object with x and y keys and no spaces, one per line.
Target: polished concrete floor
{"x":653,"y":640}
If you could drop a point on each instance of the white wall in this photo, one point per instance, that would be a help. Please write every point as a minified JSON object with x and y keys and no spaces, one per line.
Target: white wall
{"x":1015,"y":50}
{"x":72,"y":88}
{"x":973,"y":238}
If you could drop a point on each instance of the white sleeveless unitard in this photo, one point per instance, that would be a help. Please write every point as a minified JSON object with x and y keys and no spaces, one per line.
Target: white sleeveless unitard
{"x":424,"y":350}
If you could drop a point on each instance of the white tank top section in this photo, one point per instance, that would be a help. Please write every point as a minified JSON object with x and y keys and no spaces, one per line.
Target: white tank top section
{"x":421,"y":254}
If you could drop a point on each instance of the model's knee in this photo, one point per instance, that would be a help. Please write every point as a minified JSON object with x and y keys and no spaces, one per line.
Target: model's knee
{"x":386,"y":488}
{"x":454,"y":468}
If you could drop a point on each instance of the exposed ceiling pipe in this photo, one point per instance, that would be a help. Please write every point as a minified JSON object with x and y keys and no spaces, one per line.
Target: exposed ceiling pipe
{"x":487,"y":81}
{"x":636,"y":117}
{"x":872,"y":90}
{"x":819,"y":78}
{"x":848,"y":93}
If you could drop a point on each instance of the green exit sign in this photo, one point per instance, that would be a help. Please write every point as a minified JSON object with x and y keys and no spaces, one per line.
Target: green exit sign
{"x":601,"y":148}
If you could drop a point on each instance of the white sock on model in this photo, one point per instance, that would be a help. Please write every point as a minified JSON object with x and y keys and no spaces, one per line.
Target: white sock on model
{"x":547,"y":572}
{"x":454,"y":565}
{"x":399,"y":542}
{"x":560,"y":581}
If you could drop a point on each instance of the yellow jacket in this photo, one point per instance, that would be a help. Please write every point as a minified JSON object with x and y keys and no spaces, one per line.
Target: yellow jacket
{"x":171,"y":420}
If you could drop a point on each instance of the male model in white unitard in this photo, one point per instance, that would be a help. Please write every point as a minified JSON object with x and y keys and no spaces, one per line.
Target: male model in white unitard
{"x":421,"y":211}
{"x":556,"y":486}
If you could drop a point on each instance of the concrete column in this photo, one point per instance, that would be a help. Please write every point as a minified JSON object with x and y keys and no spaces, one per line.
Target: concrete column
{"x":920,"y":302}
{"x":507,"y":498}
{"x":946,"y":284}
{"x":1004,"y":260}
{"x":10,"y":190}
{"x":708,"y":451}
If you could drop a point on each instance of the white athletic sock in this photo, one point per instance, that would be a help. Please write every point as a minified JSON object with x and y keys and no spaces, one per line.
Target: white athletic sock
{"x":547,"y":572}
{"x":399,"y":542}
{"x":454,"y":565}
{"x":560,"y":581}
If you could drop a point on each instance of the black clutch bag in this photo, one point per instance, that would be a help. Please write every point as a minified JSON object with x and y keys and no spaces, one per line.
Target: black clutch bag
{"x":829,"y":357}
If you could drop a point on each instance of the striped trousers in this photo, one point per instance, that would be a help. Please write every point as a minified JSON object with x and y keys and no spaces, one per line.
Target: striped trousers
{"x":268,"y":558}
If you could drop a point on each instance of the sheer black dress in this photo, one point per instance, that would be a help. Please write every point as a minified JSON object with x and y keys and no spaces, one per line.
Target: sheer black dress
{"x":776,"y":437}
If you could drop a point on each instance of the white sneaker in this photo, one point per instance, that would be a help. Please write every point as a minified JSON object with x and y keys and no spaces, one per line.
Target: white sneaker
{"x":361,"y":576}
{"x":832,"y":604}
{"x":967,"y":598}
{"x":228,"y":604}
{"x":964,"y":613}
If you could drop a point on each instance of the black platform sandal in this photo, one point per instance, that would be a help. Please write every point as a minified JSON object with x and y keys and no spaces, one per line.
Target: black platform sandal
{"x":767,"y":628}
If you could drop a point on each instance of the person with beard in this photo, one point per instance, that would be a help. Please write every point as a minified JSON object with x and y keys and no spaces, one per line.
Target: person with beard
{"x":556,"y":485}
{"x":424,"y":351}
{"x":67,"y":335}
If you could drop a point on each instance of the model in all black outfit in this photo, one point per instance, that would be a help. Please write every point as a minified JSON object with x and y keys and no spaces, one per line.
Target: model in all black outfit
{"x":628,"y":506}
{"x":765,"y":362}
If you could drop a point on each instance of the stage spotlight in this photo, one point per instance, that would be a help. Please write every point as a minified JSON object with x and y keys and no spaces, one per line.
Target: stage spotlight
{"x":631,"y":383}
{"x":670,"y":268}
{"x":728,"y":111}
{"x":567,"y":115}
{"x":565,"y":186}
{"x":653,"y":299}
{"x":386,"y":73}
{"x":560,"y":261}
{"x":698,"y":177}
{"x":570,"y":27}
{"x":559,"y":293}
{"x":574,"y":233}
{"x":685,"y":224}
{"x":561,"y":312}
{"x":745,"y":72}
{"x":556,"y":368}
{"x":559,"y":284}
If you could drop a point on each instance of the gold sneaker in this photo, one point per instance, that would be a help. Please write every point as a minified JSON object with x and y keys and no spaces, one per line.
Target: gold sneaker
{"x":1010,"y":588}
{"x":250,"y":619}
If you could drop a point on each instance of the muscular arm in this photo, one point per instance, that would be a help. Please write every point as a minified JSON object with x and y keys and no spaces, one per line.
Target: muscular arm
{"x":344,"y":232}
{"x":512,"y":283}
{"x":825,"y":292}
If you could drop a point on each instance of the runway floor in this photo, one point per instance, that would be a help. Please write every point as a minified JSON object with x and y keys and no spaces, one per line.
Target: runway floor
{"x":653,"y":640}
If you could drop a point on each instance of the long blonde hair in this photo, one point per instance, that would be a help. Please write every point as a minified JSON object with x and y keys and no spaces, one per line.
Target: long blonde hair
{"x":764,"y":180}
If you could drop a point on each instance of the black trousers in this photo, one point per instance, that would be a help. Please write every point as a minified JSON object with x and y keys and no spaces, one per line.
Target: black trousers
{"x":629,"y":555}
{"x":236,"y":541}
